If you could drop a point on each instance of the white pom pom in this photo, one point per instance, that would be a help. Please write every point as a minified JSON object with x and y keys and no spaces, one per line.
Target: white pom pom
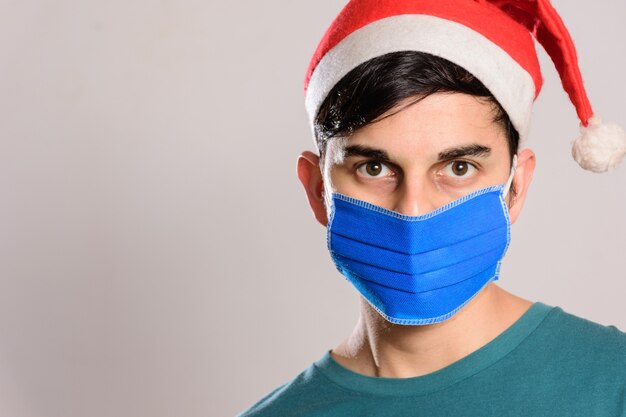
{"x":600,"y":146}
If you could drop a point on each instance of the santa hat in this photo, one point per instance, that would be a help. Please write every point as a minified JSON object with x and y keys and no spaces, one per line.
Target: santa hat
{"x":492,"y":39}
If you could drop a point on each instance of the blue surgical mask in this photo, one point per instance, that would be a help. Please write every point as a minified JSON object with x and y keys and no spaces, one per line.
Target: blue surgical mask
{"x":417,"y":270}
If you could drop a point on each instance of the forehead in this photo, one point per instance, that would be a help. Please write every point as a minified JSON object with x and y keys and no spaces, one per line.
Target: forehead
{"x":432,"y":124}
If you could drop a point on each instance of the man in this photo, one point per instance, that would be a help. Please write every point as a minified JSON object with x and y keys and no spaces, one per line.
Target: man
{"x":418,"y":109}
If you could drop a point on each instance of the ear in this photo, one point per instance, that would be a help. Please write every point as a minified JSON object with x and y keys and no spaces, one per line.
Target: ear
{"x":311,"y":178}
{"x":521,"y":179}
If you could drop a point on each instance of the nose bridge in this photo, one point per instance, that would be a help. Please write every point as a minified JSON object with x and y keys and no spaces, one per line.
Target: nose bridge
{"x":413,"y":197}
{"x":408,"y":203}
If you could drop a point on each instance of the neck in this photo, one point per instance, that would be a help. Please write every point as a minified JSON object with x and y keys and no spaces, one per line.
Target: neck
{"x":377,"y":347}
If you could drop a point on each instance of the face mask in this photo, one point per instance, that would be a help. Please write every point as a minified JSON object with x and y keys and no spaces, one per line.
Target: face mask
{"x":417,"y":270}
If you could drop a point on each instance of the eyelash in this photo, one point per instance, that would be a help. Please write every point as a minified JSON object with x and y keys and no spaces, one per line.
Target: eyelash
{"x":395,"y":170}
{"x":377,"y":161}
{"x":454,"y":161}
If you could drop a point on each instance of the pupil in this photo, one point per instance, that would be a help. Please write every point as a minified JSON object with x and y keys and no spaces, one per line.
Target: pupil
{"x":373,"y":168}
{"x":459,"y":168}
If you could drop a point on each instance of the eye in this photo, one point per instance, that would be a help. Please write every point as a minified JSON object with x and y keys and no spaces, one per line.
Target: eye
{"x":374,"y":169}
{"x":459,"y":169}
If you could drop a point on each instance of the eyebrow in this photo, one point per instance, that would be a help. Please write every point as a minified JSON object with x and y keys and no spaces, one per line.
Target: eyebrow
{"x":360,"y":150}
{"x":461,"y":151}
{"x":447,"y":154}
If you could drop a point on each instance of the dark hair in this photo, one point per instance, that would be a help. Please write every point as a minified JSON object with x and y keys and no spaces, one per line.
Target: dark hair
{"x":380,"y":84}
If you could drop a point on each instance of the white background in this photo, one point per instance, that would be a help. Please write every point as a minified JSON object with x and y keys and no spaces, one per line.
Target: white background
{"x":157,"y":254}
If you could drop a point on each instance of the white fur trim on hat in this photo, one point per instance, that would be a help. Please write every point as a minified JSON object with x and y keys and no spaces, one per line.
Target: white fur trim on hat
{"x":508,"y":81}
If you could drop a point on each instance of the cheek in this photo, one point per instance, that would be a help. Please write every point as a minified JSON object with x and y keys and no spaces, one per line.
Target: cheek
{"x":454,"y":188}
{"x":379,"y":194}
{"x":345,"y":181}
{"x":365,"y":190}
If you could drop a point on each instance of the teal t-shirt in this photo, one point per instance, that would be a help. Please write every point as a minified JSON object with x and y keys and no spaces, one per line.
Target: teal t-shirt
{"x":548,"y":363}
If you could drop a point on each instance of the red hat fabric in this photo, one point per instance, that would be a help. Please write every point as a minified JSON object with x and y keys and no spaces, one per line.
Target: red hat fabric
{"x":492,"y":39}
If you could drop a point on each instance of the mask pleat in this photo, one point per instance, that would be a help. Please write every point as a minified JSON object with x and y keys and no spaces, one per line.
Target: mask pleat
{"x":416,"y":262}
{"x":414,"y":236}
{"x":428,"y":280}
{"x":430,"y":305}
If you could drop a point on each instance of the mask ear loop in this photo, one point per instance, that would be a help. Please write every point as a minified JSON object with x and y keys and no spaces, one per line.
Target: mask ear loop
{"x":510,"y":180}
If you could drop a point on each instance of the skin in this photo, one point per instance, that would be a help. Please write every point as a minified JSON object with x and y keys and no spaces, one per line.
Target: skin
{"x":421,"y":173}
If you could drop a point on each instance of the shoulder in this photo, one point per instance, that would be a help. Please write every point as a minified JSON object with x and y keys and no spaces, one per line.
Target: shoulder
{"x":303,"y":391}
{"x":581,"y":331}
{"x":593,"y":348}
